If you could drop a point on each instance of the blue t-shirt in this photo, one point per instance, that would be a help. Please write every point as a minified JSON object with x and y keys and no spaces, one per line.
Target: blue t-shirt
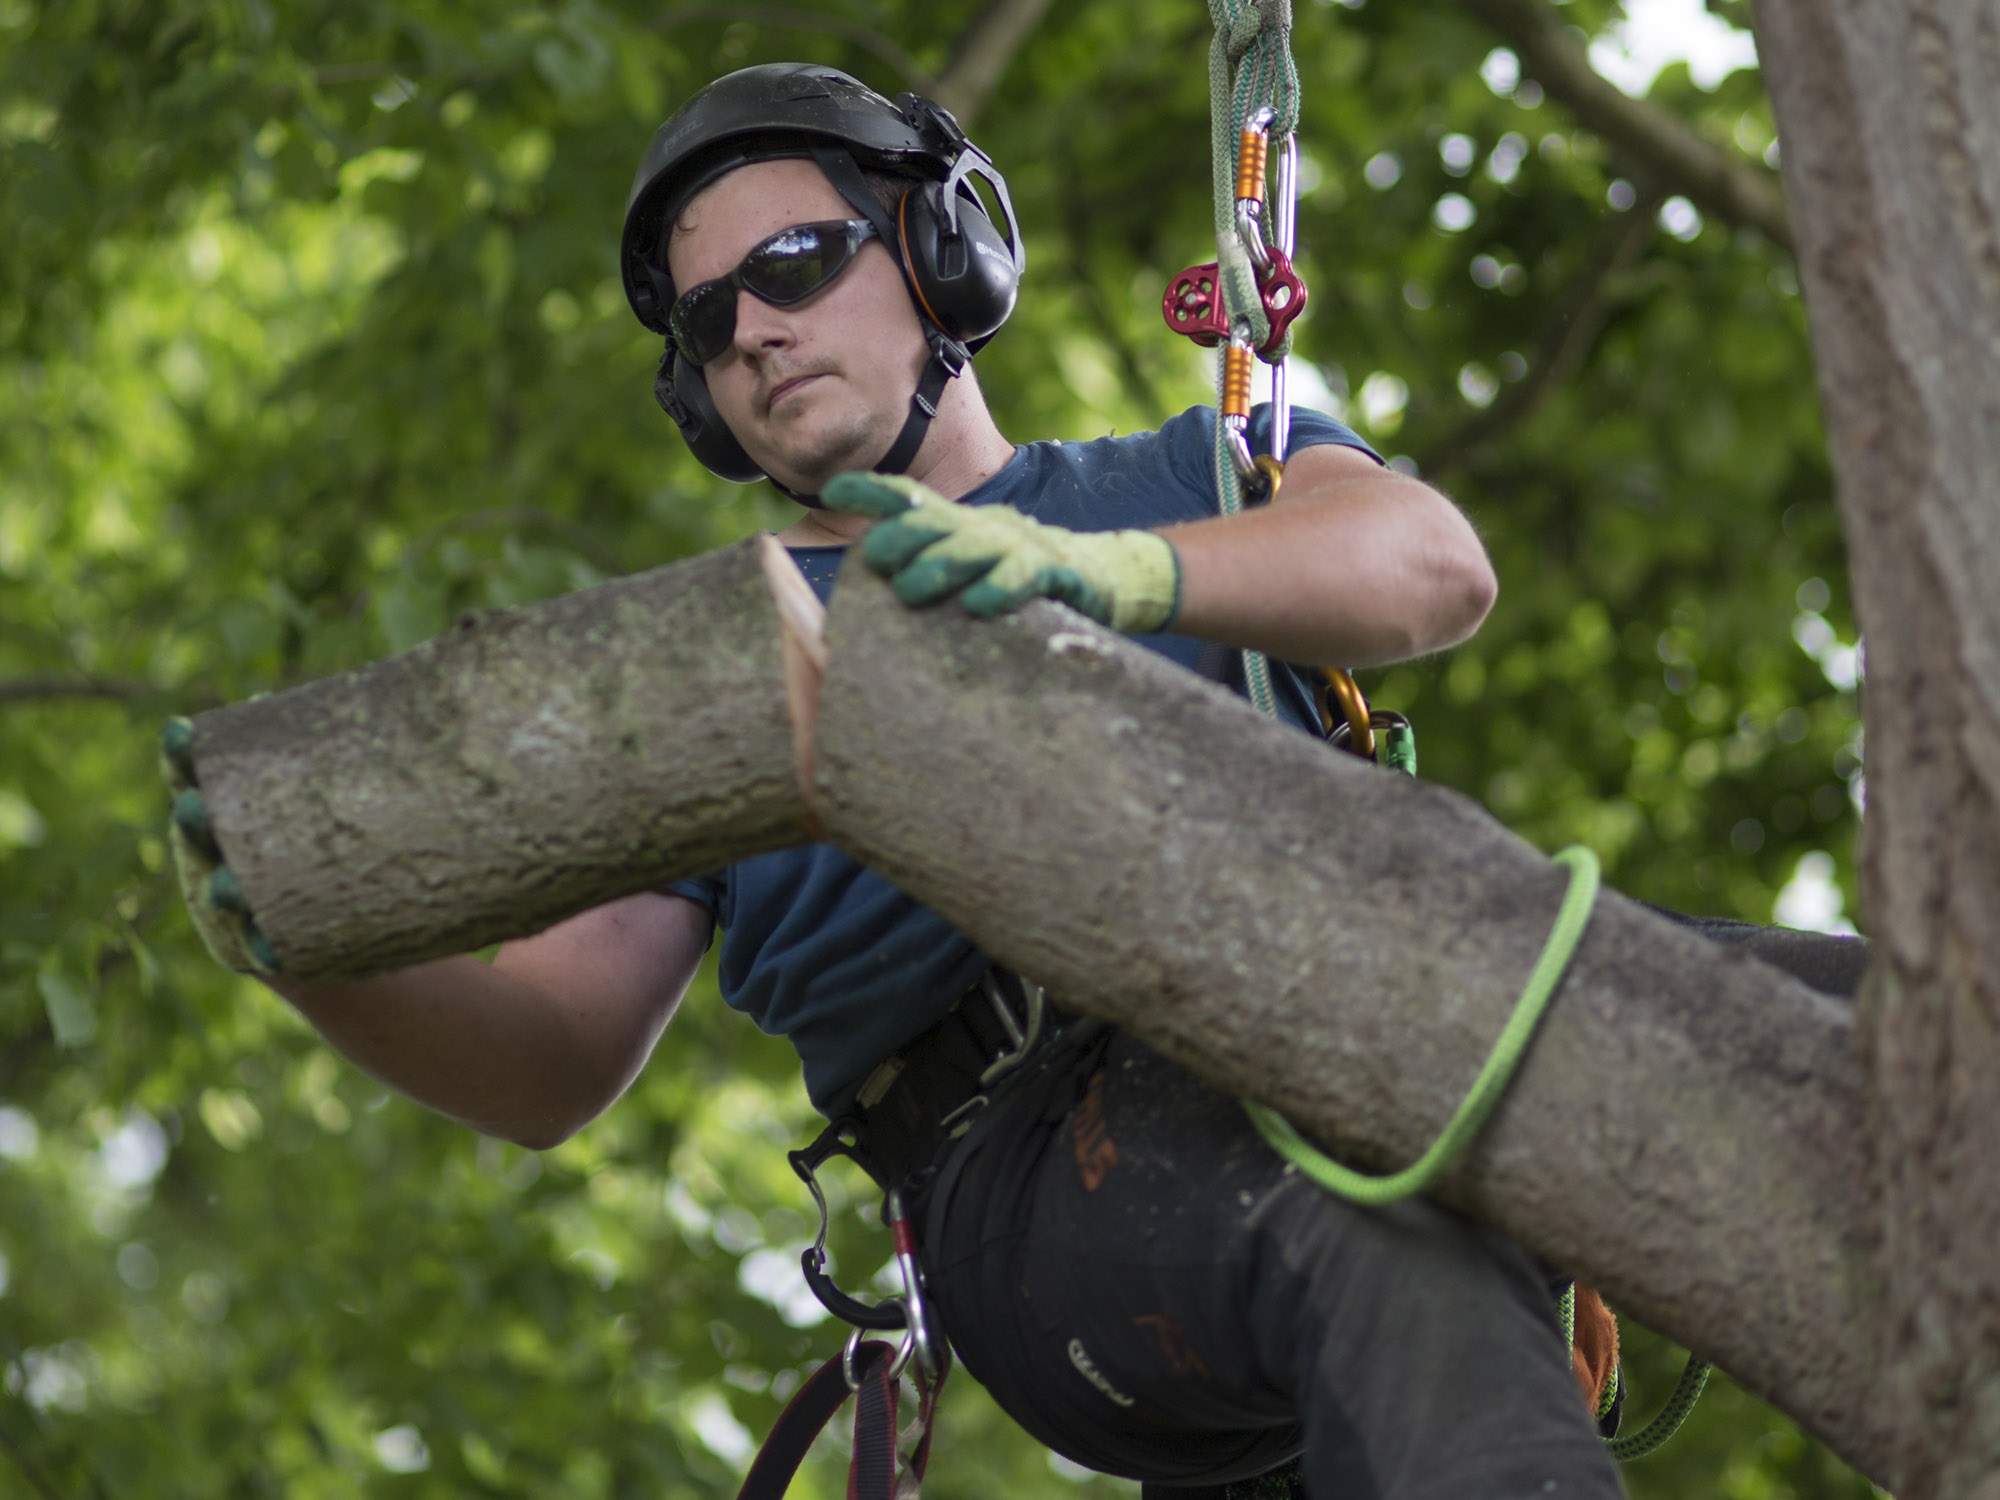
{"x":820,"y":949}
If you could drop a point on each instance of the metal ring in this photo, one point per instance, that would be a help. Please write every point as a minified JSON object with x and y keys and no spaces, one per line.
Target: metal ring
{"x":897,"y":1364}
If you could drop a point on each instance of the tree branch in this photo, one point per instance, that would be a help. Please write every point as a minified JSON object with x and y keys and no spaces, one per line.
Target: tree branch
{"x":534,"y":762}
{"x":1564,"y":344}
{"x":520,"y":518}
{"x":982,"y":54}
{"x":28,"y":1470}
{"x":45,"y":689}
{"x":866,"y":37}
{"x":1719,"y":181}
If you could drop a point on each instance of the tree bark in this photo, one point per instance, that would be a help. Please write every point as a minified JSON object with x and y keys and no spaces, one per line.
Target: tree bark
{"x":1890,"y":118}
{"x":980,"y":56}
{"x":521,"y":767}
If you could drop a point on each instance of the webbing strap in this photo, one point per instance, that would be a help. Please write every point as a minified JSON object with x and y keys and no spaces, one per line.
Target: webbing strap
{"x":1498,"y":1071}
{"x":871,"y":1474}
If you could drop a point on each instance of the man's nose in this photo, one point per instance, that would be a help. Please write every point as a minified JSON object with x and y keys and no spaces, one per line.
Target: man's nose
{"x":759,"y":325}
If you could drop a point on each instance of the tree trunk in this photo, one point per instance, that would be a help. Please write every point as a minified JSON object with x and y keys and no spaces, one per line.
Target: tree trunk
{"x":1890,"y":122}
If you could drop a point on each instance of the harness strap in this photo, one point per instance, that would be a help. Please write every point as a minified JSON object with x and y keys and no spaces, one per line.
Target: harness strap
{"x":873,"y":1472}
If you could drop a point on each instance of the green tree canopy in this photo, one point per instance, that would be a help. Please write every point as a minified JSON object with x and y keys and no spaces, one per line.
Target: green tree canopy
{"x":311,"y":336}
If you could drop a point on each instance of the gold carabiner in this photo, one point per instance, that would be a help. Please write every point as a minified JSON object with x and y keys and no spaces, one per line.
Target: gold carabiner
{"x":1340,"y":684}
{"x":1273,"y":470}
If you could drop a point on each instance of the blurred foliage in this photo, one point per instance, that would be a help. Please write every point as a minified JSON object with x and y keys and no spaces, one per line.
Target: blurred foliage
{"x":311,"y":335}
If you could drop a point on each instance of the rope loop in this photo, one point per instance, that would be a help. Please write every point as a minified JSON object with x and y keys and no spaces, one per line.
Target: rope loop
{"x":1499,"y":1069}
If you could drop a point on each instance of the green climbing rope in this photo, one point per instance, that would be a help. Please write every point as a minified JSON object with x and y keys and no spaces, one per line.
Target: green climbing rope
{"x":1686,"y":1392}
{"x":1494,"y":1076}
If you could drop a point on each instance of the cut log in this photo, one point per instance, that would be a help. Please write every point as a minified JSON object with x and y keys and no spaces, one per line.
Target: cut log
{"x":523,"y":766}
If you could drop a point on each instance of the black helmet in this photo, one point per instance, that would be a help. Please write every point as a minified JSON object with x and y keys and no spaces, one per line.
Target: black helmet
{"x":960,"y":270}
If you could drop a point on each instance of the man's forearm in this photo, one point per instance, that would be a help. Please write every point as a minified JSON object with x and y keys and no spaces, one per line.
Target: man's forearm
{"x":494,"y":1051}
{"x":536,"y":1044}
{"x":1364,"y":572}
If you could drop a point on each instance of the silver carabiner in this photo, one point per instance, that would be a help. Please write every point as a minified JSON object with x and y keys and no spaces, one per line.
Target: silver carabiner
{"x":916,"y":1341}
{"x":916,"y":1316}
{"x":1285,"y":219}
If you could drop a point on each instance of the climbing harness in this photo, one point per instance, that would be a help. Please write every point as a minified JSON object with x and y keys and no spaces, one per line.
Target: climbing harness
{"x":868,"y":1369}
{"x":1019,"y":1016}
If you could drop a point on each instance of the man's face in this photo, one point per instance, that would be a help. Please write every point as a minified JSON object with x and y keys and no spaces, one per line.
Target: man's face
{"x":822,"y":386}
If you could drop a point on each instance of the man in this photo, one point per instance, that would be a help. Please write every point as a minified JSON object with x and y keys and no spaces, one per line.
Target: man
{"x":1115,"y":1252}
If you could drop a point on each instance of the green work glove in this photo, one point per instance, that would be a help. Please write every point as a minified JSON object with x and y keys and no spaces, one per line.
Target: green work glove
{"x":996,"y":559}
{"x":221,"y":915}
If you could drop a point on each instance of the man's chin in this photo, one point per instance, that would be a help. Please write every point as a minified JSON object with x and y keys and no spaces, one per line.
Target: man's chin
{"x":804,"y":469}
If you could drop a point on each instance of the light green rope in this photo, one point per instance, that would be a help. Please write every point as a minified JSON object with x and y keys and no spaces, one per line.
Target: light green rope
{"x":1686,"y":1392}
{"x":1612,"y":1386}
{"x":1256,"y":666}
{"x":1250,"y":65}
{"x":1494,"y":1076}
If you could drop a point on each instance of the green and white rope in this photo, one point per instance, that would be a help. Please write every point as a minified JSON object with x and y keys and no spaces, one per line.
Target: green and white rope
{"x":1249,"y":66}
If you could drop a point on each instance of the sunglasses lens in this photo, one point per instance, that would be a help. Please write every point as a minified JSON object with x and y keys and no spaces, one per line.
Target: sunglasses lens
{"x":704,"y":321}
{"x":795,"y":263}
{"x":788,"y":267}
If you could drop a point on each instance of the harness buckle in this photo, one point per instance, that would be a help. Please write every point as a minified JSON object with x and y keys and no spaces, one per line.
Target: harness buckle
{"x":1021,"y":1039}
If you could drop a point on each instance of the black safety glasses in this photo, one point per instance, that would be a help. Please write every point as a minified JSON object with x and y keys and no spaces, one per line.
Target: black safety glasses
{"x":788,"y":267}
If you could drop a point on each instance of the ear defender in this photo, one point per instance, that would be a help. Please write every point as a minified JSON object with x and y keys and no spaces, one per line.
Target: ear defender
{"x":965,"y":278}
{"x":682,"y":392}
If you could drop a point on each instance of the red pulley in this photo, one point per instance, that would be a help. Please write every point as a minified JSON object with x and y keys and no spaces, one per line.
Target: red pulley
{"x":1193,"y":303}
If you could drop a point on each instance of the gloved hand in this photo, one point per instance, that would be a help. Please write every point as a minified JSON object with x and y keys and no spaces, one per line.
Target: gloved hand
{"x":931,"y":547}
{"x":215,"y":900}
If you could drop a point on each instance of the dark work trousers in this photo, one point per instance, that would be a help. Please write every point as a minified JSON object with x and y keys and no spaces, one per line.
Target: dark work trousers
{"x":1149,"y":1290}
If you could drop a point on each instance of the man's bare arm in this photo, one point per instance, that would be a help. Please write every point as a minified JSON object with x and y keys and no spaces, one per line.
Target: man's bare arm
{"x":535,"y":1045}
{"x":1353,"y":565}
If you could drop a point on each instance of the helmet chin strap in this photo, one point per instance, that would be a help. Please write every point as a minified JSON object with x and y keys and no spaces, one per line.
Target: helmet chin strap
{"x":948,"y":357}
